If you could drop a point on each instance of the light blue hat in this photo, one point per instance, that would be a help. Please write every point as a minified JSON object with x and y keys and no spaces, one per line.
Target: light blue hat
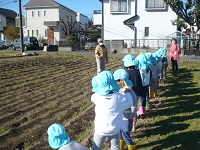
{"x":149,"y":59}
{"x":142,"y":61}
{"x":57,"y":136}
{"x":129,"y":60}
{"x":123,"y":75}
{"x":128,"y":57}
{"x":94,"y":83}
{"x":106,"y":83}
{"x":162,"y":52}
{"x":154,"y":59}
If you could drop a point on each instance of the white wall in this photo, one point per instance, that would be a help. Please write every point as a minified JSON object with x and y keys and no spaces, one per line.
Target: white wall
{"x":159,"y":22}
{"x":37,"y":23}
{"x":52,"y":14}
{"x":114,"y":28}
{"x":97,"y":19}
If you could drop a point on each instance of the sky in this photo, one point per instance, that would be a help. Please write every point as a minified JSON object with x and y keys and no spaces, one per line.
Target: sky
{"x":84,"y":7}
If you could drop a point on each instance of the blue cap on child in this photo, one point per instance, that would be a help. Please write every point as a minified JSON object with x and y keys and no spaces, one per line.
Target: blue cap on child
{"x":57,"y":136}
{"x":94,"y":83}
{"x":123,"y":75}
{"x":129,"y":60}
{"x":106,"y":83}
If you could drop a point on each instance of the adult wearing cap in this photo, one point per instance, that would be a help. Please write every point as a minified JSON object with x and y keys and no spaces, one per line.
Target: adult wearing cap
{"x":109,"y":107}
{"x":59,"y":139}
{"x":101,"y":55}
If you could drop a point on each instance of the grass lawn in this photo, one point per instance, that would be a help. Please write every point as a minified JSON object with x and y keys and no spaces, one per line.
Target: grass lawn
{"x":174,"y":119}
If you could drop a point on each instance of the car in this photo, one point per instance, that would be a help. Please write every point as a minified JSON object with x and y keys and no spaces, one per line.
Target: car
{"x":90,"y":44}
{"x":29,"y":43}
{"x":1,"y":45}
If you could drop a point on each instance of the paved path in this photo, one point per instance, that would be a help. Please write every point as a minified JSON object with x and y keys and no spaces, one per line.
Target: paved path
{"x":91,"y":53}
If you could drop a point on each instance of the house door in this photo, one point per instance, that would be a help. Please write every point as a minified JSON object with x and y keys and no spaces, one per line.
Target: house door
{"x":50,"y":36}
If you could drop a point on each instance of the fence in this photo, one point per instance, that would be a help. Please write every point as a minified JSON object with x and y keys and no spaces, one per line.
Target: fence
{"x":185,"y":43}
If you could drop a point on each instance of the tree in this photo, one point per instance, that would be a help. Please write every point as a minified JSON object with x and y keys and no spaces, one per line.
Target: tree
{"x":67,"y":25}
{"x":187,"y":11}
{"x":11,"y":32}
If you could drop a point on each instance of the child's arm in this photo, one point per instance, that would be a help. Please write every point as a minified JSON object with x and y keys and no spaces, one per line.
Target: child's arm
{"x":93,"y":98}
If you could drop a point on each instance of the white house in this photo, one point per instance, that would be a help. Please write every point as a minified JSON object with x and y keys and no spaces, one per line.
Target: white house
{"x":82,"y":25}
{"x":136,"y":19}
{"x":44,"y":19}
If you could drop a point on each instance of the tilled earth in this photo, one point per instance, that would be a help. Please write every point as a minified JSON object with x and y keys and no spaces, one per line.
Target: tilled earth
{"x":37,"y":91}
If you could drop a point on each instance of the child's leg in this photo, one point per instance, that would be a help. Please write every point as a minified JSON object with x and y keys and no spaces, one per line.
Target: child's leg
{"x":134,"y":123}
{"x":98,"y":141}
{"x":115,"y":141}
{"x":126,"y":130}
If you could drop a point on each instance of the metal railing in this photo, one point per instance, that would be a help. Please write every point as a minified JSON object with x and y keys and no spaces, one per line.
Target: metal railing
{"x":185,"y":43}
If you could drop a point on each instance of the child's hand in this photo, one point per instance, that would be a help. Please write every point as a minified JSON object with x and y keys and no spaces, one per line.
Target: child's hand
{"x":127,"y":89}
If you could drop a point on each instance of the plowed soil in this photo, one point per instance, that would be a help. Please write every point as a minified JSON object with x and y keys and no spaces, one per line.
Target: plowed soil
{"x":37,"y":91}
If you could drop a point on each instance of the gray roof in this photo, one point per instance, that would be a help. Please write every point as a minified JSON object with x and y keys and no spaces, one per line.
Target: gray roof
{"x":8,"y":13}
{"x":44,"y":3}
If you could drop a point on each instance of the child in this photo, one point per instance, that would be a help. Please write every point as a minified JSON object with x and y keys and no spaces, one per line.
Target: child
{"x":58,"y":139}
{"x":164,"y":66}
{"x":161,"y":55}
{"x":145,"y":74}
{"x":131,"y":64}
{"x":109,"y":107}
{"x":155,"y":69}
{"x":122,"y":78}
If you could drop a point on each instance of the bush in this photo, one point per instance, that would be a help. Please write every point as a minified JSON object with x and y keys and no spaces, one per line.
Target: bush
{"x":70,"y":39}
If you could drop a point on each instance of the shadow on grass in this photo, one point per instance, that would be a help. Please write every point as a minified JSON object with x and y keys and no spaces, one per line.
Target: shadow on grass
{"x":180,"y":141}
{"x":180,"y":109}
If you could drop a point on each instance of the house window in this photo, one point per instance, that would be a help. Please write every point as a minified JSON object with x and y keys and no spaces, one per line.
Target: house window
{"x":32,"y":32}
{"x":38,"y":13}
{"x":45,"y":34}
{"x":155,"y":4}
{"x":45,"y":13}
{"x":146,"y":31}
{"x":32,"y":13}
{"x":37,"y":33}
{"x":119,"y":6}
{"x":28,"y":33}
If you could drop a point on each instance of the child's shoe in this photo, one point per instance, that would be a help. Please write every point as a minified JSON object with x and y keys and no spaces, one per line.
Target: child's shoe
{"x":151,"y":95}
{"x":122,"y":143}
{"x":132,"y":147}
{"x":141,"y":111}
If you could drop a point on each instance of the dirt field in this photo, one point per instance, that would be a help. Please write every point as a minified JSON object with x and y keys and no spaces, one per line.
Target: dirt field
{"x":37,"y":91}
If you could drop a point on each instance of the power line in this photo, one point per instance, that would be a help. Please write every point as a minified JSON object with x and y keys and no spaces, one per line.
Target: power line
{"x":6,"y":3}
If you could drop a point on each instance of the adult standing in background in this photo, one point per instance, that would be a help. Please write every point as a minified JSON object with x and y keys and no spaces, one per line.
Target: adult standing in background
{"x":175,"y":52}
{"x":101,"y":55}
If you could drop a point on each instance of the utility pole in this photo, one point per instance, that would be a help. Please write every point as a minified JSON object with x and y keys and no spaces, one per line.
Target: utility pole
{"x":20,"y":25}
